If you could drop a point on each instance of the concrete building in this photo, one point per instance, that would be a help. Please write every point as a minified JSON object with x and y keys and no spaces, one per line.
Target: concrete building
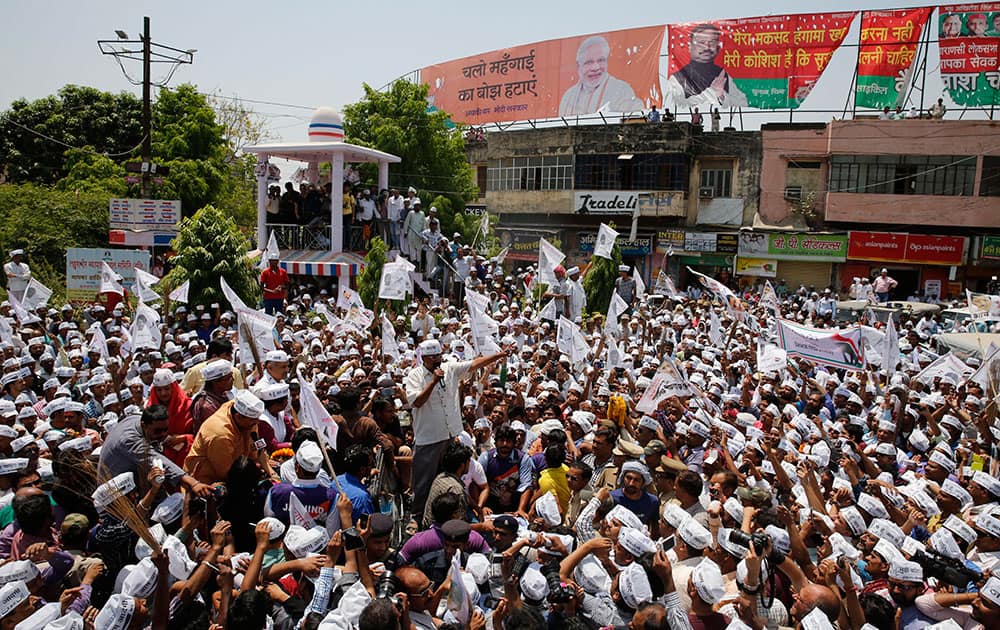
{"x":899,"y":194}
{"x":689,"y":191}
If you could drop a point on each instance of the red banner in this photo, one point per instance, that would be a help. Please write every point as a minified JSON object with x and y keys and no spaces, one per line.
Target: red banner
{"x":888,"y":47}
{"x":616,"y":71}
{"x":769,"y":62}
{"x":909,"y":248}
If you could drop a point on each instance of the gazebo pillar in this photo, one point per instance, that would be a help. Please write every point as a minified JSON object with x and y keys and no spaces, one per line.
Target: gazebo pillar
{"x":262,"y":168}
{"x":383,"y":176}
{"x":337,"y":202}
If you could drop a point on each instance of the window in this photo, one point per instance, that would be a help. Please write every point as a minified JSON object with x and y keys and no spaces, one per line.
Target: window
{"x":717,"y":175}
{"x":481,"y":179}
{"x":530,"y":173}
{"x":903,"y":174}
{"x":644,"y":171}
{"x":989,"y":184}
{"x":804,"y":165}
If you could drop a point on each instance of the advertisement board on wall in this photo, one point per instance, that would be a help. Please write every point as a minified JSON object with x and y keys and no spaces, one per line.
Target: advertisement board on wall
{"x":616,"y":71}
{"x":83,"y":269}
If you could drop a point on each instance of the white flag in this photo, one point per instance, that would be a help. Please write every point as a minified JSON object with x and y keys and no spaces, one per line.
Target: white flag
{"x":945,"y":364}
{"x":271,"y":251}
{"x":6,"y":332}
{"x":110,"y":281}
{"x":484,"y":224}
{"x":347,"y":297}
{"x":771,"y":359}
{"x":234,"y":300}
{"x":640,"y":284}
{"x":665,"y":285}
{"x":615,"y":310}
{"x":499,"y":258}
{"x":549,"y":311}
{"x":395,"y":283}
{"x":615,"y":355}
{"x":890,"y":351}
{"x":769,"y":297}
{"x":36,"y":295}
{"x":256,"y":325}
{"x":21,"y":313}
{"x":98,"y":343}
{"x":459,"y":601}
{"x":714,"y":329}
{"x":548,"y":257}
{"x":180,"y":294}
{"x":605,"y":241}
{"x":482,"y":325}
{"x":570,"y":340}
{"x":297,"y":513}
{"x":143,"y":287}
{"x":145,"y":330}
{"x":313,"y":414}
{"x":390,"y":346}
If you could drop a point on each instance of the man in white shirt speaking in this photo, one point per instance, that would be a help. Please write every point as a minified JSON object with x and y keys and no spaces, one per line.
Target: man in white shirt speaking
{"x":433,"y":387}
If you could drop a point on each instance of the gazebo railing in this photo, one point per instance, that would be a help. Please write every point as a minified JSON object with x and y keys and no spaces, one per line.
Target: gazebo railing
{"x":317,"y":237}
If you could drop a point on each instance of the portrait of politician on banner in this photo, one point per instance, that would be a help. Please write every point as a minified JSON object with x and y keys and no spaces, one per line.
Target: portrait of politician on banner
{"x":969,"y":45}
{"x":702,"y":82}
{"x":768,"y":62}
{"x":616,"y":71}
{"x":595,"y":89}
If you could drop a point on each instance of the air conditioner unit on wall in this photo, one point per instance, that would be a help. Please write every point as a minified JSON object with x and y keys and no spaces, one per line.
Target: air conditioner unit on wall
{"x":793,"y":193}
{"x":706,"y":192}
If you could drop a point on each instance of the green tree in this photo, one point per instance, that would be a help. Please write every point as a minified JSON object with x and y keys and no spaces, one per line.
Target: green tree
{"x":35,"y":134}
{"x":45,"y":222}
{"x":371,"y":275}
{"x":600,"y":281}
{"x":188,"y":140}
{"x":209,"y":246}
{"x":89,"y":171}
{"x":432,"y":150}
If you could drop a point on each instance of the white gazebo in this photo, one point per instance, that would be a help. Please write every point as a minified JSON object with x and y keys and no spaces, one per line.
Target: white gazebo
{"x":326,"y":144}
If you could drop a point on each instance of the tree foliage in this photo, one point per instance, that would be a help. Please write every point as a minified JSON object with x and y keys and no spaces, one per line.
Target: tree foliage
{"x":75,"y":116}
{"x":432,"y":150}
{"x":209,"y":246}
{"x":371,"y":275}
{"x":599,"y":283}
{"x":45,"y":222}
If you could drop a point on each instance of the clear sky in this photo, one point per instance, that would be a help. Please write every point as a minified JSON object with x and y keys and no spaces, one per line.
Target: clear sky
{"x":319,"y":53}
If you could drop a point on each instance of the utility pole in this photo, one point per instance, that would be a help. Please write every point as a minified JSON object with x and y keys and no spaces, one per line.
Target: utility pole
{"x":147,"y":109}
{"x":148,"y":52}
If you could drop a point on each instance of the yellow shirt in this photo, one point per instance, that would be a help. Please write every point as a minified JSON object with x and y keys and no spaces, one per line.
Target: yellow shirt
{"x":348,"y":204}
{"x":554,"y":480}
{"x":218,"y":444}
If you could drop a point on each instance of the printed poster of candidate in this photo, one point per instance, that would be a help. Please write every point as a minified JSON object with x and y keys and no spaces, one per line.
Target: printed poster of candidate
{"x":968,"y":40}
{"x":770,"y":62}
{"x":613,"y":72}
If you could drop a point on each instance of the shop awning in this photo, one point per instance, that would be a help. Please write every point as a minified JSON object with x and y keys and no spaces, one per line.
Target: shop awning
{"x":308,"y":262}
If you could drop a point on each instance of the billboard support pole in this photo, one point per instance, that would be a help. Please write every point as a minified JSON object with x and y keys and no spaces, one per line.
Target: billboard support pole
{"x":923,"y":69}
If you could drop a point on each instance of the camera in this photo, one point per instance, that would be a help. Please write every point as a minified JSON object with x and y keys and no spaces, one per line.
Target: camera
{"x":758,"y":541}
{"x":559,"y":591}
{"x":388,"y":586}
{"x":944,"y":569}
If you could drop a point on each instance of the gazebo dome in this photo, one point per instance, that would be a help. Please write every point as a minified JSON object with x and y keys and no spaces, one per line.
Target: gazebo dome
{"x":326,"y":126}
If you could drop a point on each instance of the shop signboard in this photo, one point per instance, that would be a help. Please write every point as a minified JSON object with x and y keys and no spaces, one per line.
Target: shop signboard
{"x":894,"y":247}
{"x":640,"y":246}
{"x":794,"y":246}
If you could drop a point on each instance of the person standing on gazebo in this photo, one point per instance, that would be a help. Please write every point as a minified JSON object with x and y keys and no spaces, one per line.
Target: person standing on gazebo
{"x":413,"y":227}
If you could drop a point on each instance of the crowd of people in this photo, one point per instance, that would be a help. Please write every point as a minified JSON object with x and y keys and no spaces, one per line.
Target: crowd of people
{"x":545,"y":473}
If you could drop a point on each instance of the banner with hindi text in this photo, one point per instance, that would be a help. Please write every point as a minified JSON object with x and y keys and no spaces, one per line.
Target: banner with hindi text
{"x":968,"y":41}
{"x":769,"y":62}
{"x":885,"y":55}
{"x":617,"y":71}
